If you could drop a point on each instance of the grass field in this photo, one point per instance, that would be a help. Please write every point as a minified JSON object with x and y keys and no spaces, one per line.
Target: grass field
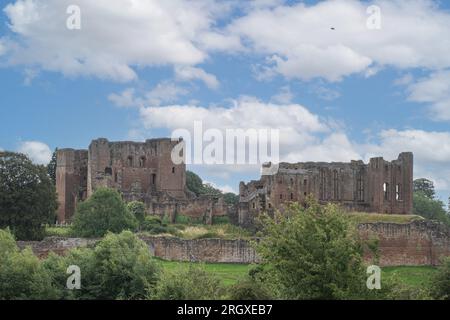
{"x":363,"y":217}
{"x":230,"y":273}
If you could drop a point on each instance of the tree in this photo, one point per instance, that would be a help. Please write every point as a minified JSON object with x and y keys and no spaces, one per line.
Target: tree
{"x":440,"y":283}
{"x":429,"y":208}
{"x":27,"y":196}
{"x":51,"y":167}
{"x":104,"y":211}
{"x":21,"y":274}
{"x":194,"y":183}
{"x":137,"y":208}
{"x":119,"y":267}
{"x":231,"y":198}
{"x":313,"y":253}
{"x":192,"y":283}
{"x":424,"y":186}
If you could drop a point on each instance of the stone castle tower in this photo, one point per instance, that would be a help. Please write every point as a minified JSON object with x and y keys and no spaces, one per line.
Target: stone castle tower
{"x":140,"y":171}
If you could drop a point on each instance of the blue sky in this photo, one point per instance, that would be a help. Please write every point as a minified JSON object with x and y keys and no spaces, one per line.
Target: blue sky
{"x":341,"y":94}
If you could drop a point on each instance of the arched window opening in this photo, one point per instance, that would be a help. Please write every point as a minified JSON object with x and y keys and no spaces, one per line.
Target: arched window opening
{"x":130,"y":161}
{"x":292,"y":196}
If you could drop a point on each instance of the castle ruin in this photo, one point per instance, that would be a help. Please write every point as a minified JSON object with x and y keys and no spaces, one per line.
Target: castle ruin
{"x":141,"y":171}
{"x":379,"y":186}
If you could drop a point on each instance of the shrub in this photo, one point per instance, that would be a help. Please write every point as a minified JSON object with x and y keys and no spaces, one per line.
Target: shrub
{"x":192,"y":283}
{"x":137,"y":209}
{"x":104,"y":211}
{"x":248,"y":289}
{"x":21,"y":274}
{"x":27,"y":197}
{"x":119,"y":267}
{"x":440,"y":283}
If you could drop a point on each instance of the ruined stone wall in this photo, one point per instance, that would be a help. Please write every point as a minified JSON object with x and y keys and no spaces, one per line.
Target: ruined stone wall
{"x":381,"y":186}
{"x":416,"y":243}
{"x":71,"y":181}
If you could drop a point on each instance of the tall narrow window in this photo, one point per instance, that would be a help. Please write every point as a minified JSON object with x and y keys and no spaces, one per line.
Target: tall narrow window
{"x":173,"y":169}
{"x":386,"y":191}
{"x":153,"y":179}
{"x":398,"y":192}
{"x":292,"y":196}
{"x":360,"y":187}
{"x":335,"y":185}
{"x":142,"y":162}
{"x":130,"y":161}
{"x":323,"y":182}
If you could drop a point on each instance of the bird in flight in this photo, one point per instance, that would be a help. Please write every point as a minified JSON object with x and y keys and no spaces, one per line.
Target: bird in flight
{"x":333,"y":28}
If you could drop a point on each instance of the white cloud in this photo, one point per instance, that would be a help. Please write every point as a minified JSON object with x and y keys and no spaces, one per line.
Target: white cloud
{"x":223,"y":188}
{"x":435,"y":90}
{"x":164,"y":92}
{"x":38,"y":152}
{"x":431,"y":152}
{"x":284,"y":96}
{"x":125,"y":99}
{"x":300,"y":43}
{"x":115,"y":36}
{"x":187,"y":73}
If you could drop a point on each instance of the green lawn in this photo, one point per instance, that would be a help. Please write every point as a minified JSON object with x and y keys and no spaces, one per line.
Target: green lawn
{"x":230,"y":273}
{"x":364,"y":217}
{"x":413,"y":276}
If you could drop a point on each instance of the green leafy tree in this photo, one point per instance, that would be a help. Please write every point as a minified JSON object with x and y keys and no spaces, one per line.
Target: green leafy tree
{"x":430,"y":208}
{"x":424,"y":186}
{"x":27,"y":196}
{"x":231,"y":198}
{"x":192,"y":283}
{"x":21,"y":274}
{"x":440,"y":283}
{"x":194,"y":183}
{"x":137,"y":208}
{"x":104,"y":211}
{"x":119,"y":267}
{"x":51,"y":167}
{"x":313,"y":253}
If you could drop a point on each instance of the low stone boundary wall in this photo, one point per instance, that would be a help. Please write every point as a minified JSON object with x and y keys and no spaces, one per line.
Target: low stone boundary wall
{"x":415,"y":243}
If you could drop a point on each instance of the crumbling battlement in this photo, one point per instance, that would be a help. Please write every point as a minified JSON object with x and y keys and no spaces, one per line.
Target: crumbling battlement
{"x":380,"y":186}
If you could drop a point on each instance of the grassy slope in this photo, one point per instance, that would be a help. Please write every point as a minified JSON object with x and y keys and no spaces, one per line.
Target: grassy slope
{"x":363,"y":217}
{"x":230,"y":273}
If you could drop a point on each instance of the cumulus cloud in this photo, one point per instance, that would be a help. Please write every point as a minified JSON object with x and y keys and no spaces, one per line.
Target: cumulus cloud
{"x":434,"y":90}
{"x":299,"y":42}
{"x":164,"y":92}
{"x":431,"y":152}
{"x":115,"y":36}
{"x":37,"y":151}
{"x":188,"y":73}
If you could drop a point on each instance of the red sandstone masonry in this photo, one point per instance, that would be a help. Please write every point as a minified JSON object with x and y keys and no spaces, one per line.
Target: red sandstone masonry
{"x":416,"y":243}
